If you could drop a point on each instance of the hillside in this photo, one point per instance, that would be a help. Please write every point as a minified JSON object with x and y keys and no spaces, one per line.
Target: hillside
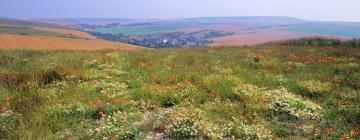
{"x":19,"y":34}
{"x":239,"y":30}
{"x":11,"y":41}
{"x":300,"y":89}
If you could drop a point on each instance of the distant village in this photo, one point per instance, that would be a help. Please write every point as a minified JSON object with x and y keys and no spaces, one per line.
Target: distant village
{"x":166,"y":40}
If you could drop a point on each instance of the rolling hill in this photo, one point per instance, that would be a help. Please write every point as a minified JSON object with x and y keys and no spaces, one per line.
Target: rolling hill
{"x":245,"y":30}
{"x":186,"y":32}
{"x":11,"y":41}
{"x":24,"y":34}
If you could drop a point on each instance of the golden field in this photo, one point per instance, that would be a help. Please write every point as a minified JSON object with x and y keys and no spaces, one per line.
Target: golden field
{"x":11,"y":41}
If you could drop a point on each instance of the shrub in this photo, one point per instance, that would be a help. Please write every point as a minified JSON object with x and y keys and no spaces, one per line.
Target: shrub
{"x":51,"y":76}
{"x":169,"y":99}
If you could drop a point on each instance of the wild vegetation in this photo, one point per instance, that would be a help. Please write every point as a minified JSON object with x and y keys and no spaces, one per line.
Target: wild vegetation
{"x":267,"y":91}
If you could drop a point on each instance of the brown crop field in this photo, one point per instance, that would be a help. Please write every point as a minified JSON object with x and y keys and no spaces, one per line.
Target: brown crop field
{"x":257,"y":37}
{"x":12,"y":41}
{"x":67,"y":31}
{"x":264,"y":36}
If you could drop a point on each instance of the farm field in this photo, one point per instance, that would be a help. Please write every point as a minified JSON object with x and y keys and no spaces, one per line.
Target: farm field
{"x":351,"y":30}
{"x":236,"y":24}
{"x":140,"y":29}
{"x":301,"y":89}
{"x":245,"y":30}
{"x":15,"y":36}
{"x":73,"y":32}
{"x":12,"y":41}
{"x":258,"y":37}
{"x":27,"y":30}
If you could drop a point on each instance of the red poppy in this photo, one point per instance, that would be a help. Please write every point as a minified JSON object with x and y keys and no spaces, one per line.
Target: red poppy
{"x":171,"y":80}
{"x":241,"y":114}
{"x":330,"y":130}
{"x":113,"y":138}
{"x":173,"y":113}
{"x":353,"y":132}
{"x":290,"y":69}
{"x":342,"y":138}
{"x":100,"y":113}
{"x":122,"y":99}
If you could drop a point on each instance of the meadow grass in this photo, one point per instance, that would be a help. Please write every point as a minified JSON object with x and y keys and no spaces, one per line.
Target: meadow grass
{"x":251,"y":92}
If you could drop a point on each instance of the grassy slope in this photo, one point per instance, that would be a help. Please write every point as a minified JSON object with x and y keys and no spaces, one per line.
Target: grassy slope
{"x":267,"y":91}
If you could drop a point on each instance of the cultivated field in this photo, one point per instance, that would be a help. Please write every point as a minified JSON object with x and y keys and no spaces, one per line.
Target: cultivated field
{"x":306,"y":89}
{"x":350,"y":30}
{"x":12,"y":41}
{"x":40,"y":37}
{"x":29,"y":30}
{"x":257,"y":37}
{"x":68,"y":31}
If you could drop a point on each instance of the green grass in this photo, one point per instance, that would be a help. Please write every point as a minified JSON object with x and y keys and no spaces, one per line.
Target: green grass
{"x":256,"y":92}
{"x":31,"y":31}
{"x":351,"y":30}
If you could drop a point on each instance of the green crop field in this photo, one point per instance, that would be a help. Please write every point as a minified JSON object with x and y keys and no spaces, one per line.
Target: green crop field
{"x":351,"y":30}
{"x":271,"y":91}
{"x":143,"y":29}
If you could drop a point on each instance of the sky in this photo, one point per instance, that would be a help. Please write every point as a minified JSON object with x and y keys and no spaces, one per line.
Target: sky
{"x":317,"y":10}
